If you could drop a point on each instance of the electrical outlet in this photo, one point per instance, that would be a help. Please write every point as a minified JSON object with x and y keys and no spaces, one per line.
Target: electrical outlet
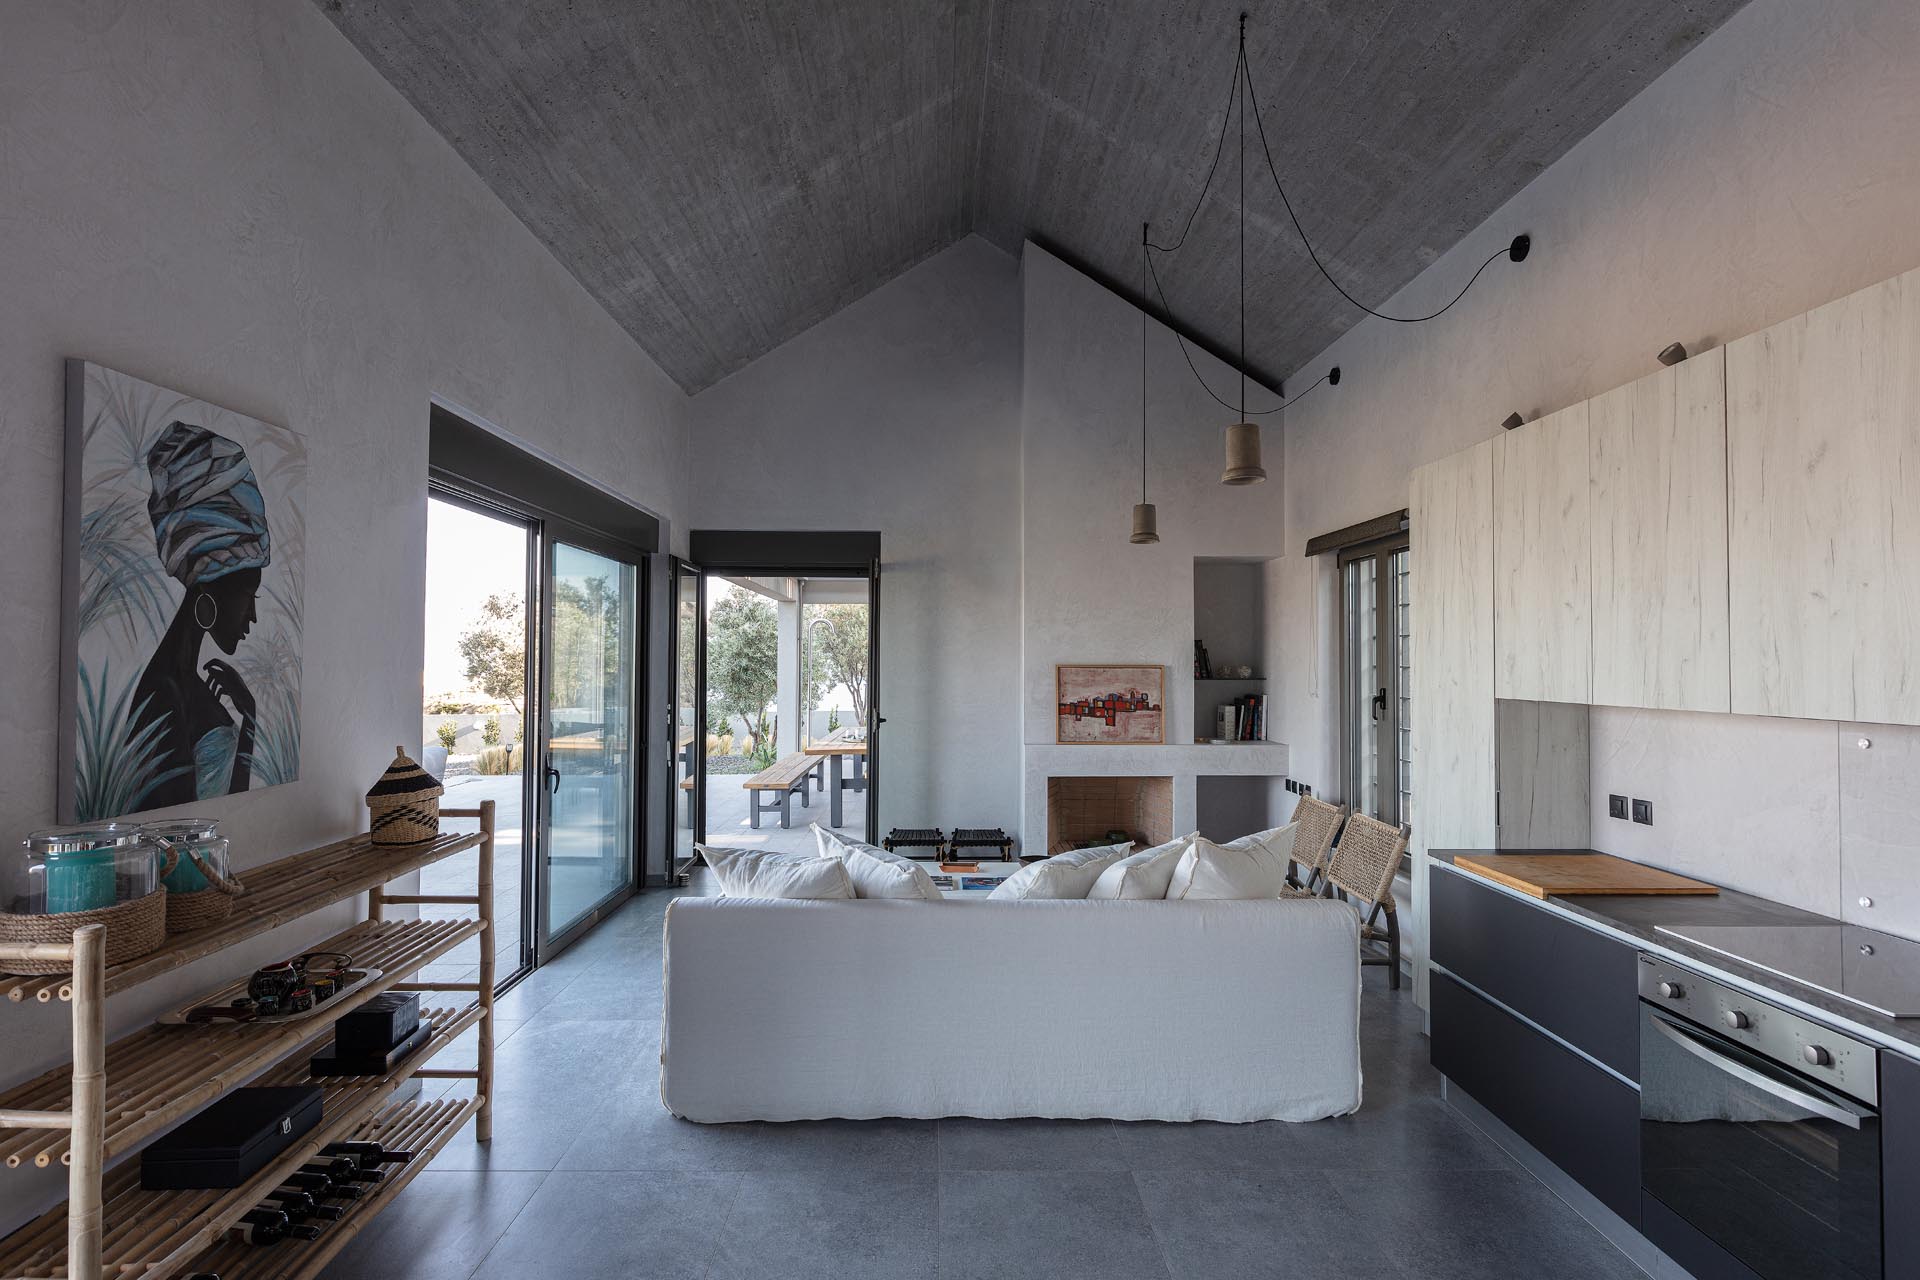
{"x":1293,"y":786}
{"x":1305,"y":790}
{"x":1643,"y":812}
{"x":1617,"y":807}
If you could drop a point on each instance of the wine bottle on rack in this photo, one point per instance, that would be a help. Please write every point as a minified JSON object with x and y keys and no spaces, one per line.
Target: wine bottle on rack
{"x":263,"y":1226}
{"x":300,"y":1231}
{"x":296,"y":1204}
{"x":370,"y":1154}
{"x":321,"y":1187}
{"x":335,"y":1167}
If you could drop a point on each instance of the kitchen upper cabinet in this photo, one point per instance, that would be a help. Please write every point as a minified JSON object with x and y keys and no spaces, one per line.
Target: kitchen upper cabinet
{"x":1823,"y":445}
{"x":1542,"y":622}
{"x":1658,"y":498}
{"x":1450,"y":522}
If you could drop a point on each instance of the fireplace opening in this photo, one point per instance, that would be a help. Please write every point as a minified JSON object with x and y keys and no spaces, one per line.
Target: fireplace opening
{"x":1087,"y":811}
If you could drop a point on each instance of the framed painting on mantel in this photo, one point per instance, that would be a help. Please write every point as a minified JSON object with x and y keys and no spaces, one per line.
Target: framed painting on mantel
{"x":1112,"y":704}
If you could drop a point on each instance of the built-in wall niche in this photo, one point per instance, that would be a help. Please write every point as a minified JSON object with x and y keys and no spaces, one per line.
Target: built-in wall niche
{"x":1086,"y":811}
{"x":1229,"y":624}
{"x":1228,"y":807}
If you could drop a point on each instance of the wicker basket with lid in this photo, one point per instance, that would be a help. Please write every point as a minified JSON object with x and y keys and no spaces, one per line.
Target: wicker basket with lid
{"x":404,"y":806}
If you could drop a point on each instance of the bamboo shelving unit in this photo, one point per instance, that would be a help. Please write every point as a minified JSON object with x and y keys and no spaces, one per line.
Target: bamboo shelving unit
{"x":115,"y":1097}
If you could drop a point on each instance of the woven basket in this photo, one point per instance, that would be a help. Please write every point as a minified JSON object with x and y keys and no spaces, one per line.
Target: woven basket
{"x":189,"y":911}
{"x":133,"y":929}
{"x":404,"y":806}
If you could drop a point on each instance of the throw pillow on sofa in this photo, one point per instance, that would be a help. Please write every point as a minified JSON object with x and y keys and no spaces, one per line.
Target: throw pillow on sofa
{"x":1253,"y":866}
{"x":749,"y":873}
{"x":1065,"y":875}
{"x":875,"y":872}
{"x":1143,"y":875}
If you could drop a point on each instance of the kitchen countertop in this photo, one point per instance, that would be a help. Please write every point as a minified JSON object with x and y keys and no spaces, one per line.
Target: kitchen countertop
{"x":1635,"y":918}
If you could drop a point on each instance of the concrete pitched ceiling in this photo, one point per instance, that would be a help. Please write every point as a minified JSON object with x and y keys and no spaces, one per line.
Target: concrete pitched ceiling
{"x":722,"y":174}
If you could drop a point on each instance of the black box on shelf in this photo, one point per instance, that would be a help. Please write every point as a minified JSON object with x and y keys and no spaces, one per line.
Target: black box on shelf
{"x":378,"y":1025}
{"x":377,"y":1062}
{"x":231,"y":1140}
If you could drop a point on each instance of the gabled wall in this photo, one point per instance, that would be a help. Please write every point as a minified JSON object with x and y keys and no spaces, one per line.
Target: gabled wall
{"x":1770,"y":170}
{"x":901,"y":413}
{"x":227,"y":200}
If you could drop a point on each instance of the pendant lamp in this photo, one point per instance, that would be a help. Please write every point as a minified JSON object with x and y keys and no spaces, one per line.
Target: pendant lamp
{"x":1146,"y":520}
{"x":1243,"y":437}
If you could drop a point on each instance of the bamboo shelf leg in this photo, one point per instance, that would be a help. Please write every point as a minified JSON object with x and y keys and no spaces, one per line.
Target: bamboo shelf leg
{"x":483,"y":1121}
{"x":85,"y":1213}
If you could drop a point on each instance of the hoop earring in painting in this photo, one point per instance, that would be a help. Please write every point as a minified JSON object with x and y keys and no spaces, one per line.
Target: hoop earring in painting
{"x":205,"y":624}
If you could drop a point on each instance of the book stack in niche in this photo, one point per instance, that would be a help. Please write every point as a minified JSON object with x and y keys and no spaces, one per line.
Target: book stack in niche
{"x":374,"y":1038}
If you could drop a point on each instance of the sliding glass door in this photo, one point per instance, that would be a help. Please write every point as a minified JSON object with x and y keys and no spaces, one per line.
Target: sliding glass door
{"x":590,"y":779}
{"x":687,"y":721}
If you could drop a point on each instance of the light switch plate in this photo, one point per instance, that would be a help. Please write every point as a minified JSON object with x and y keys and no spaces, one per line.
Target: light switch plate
{"x":1617,"y":807}
{"x":1643,"y":812}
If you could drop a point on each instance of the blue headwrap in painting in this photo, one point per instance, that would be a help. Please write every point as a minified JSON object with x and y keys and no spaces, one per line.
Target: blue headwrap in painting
{"x":209,"y":519}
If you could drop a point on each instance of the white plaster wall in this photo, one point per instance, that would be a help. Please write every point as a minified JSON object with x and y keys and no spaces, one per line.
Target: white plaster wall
{"x":1090,"y":595}
{"x":1770,"y":170}
{"x":901,"y":414}
{"x":227,"y":200}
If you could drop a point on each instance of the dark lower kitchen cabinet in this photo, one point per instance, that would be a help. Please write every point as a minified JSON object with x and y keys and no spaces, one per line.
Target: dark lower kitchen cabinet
{"x":1573,"y":1112}
{"x":1900,"y":1165}
{"x":1581,"y":985}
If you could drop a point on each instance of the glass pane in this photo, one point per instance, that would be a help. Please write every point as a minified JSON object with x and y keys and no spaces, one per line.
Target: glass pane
{"x":1360,"y":594}
{"x":590,"y":727}
{"x":687,"y":725}
{"x":475,"y":674}
{"x":834,"y":617}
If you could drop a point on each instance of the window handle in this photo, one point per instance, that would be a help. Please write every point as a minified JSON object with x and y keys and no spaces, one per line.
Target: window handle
{"x":1379,"y":703}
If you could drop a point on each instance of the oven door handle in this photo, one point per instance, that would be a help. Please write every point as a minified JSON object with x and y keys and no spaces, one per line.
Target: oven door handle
{"x":1766,"y":1083}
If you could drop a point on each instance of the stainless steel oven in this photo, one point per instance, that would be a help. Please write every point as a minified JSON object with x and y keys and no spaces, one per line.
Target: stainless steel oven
{"x":1759,"y":1129}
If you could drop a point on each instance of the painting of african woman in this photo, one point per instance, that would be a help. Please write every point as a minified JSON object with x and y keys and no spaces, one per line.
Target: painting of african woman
{"x":185,"y":543}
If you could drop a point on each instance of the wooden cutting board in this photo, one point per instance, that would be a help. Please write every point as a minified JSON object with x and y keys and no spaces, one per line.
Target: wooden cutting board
{"x":1540,"y":874}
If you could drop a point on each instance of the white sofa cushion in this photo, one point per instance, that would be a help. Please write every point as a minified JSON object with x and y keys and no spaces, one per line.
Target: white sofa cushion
{"x":1065,"y":875}
{"x":875,"y":872}
{"x":1253,"y":866}
{"x":1142,"y":875}
{"x":1125,"y":1000}
{"x":756,"y":873}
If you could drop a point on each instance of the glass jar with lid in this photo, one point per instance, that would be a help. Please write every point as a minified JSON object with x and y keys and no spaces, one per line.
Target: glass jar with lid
{"x":84,"y":868}
{"x":199,"y":850}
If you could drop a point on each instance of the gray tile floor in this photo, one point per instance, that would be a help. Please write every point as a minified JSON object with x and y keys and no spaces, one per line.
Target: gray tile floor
{"x":588,"y":1176}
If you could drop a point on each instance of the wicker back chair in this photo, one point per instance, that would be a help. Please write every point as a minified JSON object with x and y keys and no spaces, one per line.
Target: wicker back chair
{"x":1362,"y":871}
{"x":1313,"y":841}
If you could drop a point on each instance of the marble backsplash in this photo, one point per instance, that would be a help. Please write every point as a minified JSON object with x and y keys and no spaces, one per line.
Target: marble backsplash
{"x":1813,"y":813}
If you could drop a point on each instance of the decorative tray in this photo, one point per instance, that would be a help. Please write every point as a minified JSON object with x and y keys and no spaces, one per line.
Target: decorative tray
{"x":227,"y":994}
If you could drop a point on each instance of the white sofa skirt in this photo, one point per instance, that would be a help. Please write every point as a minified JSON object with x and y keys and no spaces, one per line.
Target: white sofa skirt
{"x":789,"y":1010}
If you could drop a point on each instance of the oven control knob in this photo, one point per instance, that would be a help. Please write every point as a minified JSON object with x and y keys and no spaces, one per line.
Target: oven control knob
{"x":1670,"y":990}
{"x":1738,"y":1020}
{"x":1816,"y":1056}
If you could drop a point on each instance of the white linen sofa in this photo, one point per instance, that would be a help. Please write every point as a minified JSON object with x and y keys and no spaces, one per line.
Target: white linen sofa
{"x":804,"y":1010}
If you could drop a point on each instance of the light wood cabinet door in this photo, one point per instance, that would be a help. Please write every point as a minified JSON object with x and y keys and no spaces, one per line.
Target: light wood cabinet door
{"x":1450,"y":571}
{"x":1658,"y":496}
{"x":1823,"y":444}
{"x":1542,"y":620}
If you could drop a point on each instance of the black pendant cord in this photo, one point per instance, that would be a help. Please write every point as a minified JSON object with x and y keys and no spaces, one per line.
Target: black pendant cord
{"x":1219,"y":149}
{"x":1517,"y":250}
{"x":1331,"y":377}
{"x":1143,"y":365}
{"x":1241,"y":77}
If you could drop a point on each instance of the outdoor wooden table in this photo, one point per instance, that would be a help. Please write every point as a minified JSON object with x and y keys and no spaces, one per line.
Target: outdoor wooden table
{"x":837,"y":747}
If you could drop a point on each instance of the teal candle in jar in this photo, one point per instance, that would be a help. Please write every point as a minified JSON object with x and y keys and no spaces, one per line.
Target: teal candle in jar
{"x":89,"y":868}
{"x":196,"y":841}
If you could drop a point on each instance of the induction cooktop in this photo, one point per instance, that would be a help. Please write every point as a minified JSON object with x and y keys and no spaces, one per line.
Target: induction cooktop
{"x":1876,"y":971}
